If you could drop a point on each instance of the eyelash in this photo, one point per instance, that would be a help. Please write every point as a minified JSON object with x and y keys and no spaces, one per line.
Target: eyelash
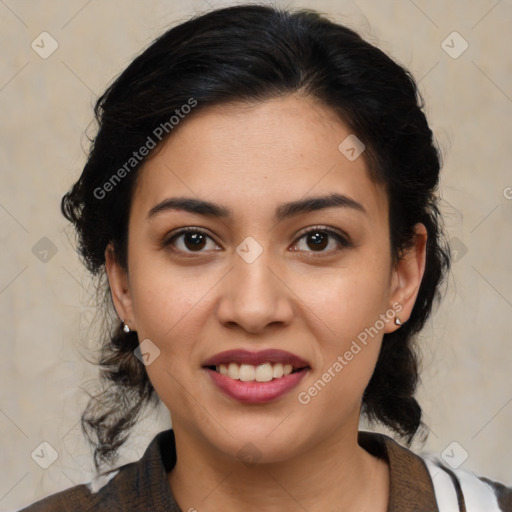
{"x":343,"y":241}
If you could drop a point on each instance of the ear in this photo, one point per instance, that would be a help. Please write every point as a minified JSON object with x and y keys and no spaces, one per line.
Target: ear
{"x":119,"y":287}
{"x":407,"y":277}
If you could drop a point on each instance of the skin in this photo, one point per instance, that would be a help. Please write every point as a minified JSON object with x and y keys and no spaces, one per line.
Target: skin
{"x":311,"y":302}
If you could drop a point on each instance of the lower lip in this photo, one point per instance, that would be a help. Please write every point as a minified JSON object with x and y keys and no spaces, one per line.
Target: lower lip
{"x":256,"y":392}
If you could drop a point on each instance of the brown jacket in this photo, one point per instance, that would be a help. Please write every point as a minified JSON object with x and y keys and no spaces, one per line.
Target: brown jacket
{"x":143,"y":485}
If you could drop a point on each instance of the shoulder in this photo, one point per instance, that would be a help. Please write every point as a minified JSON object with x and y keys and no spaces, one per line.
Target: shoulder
{"x":465,"y":487}
{"x":139,"y":485}
{"x":426,"y":482}
{"x":98,"y":495}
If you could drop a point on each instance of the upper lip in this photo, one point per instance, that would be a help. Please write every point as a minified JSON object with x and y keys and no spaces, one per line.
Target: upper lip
{"x":256,"y":358}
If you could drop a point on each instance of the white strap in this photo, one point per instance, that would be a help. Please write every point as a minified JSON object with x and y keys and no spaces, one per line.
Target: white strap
{"x":446,"y":495}
{"x":478,"y":496}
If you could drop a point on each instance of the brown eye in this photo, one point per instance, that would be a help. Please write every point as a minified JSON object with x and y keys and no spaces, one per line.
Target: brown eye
{"x":318,"y":239}
{"x":194,"y":241}
{"x":189,"y":240}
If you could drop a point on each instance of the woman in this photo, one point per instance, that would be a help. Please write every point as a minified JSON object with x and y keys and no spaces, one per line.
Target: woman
{"x":261,"y":195}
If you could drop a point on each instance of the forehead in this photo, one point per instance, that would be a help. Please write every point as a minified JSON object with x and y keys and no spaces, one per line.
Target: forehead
{"x":252,"y":156}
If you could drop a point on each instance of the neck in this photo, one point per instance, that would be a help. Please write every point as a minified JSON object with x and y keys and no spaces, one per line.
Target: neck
{"x":337,"y":471}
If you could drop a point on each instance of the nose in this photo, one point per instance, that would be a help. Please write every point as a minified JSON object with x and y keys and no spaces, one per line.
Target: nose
{"x":255,"y":296}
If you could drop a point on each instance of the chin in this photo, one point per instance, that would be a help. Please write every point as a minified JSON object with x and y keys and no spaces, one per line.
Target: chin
{"x":264,"y":442}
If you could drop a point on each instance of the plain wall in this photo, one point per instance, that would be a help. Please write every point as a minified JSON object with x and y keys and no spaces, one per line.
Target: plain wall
{"x":46,"y":306}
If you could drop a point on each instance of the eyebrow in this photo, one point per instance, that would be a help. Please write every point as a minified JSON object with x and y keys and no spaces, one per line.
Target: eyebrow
{"x":282,"y":212}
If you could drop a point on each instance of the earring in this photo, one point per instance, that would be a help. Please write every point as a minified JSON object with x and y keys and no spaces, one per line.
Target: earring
{"x":398,"y":321}
{"x":126,"y":328}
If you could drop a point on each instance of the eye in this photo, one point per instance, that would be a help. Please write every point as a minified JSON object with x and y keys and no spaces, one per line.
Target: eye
{"x":192,"y":240}
{"x":317,"y":238}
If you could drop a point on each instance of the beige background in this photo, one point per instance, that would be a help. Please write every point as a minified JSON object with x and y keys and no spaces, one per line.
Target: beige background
{"x":46,"y":104}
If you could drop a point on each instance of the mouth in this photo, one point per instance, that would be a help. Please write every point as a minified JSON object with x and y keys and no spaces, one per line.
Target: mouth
{"x":256,"y":377}
{"x":262,"y":366}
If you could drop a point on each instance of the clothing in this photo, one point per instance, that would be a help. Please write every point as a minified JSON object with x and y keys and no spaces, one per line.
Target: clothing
{"x":143,"y":485}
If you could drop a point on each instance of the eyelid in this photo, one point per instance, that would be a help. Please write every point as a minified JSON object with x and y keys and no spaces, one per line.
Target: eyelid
{"x":343,"y":241}
{"x":181,"y":231}
{"x":327,"y":229}
{"x":341,"y":236}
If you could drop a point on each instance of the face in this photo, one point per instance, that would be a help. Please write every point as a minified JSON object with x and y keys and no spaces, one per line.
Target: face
{"x":265,"y":281}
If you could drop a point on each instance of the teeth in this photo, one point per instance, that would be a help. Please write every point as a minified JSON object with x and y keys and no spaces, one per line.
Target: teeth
{"x":264,"y":373}
{"x":234,"y":371}
{"x":277,"y":371}
{"x":248,"y":373}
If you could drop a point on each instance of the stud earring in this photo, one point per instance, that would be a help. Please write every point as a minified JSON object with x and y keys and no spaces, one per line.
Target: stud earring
{"x":126,"y":328}
{"x":398,"y":321}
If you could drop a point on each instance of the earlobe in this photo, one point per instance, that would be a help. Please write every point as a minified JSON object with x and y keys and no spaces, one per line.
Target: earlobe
{"x":409,"y":273}
{"x":119,"y":287}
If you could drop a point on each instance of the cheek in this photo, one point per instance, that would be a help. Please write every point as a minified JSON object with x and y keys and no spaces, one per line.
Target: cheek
{"x":173,"y":308}
{"x":349,"y":315}
{"x":348,"y":338}
{"x":168,"y":310}
{"x":164,"y":302}
{"x":349,"y":300}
